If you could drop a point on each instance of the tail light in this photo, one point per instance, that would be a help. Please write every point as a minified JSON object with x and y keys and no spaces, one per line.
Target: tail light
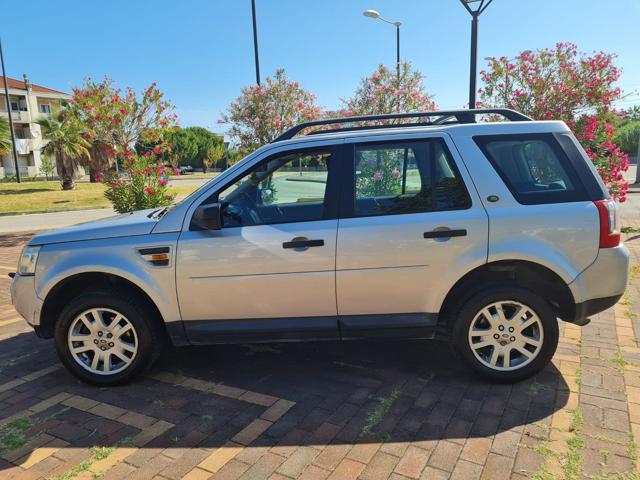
{"x":609,"y":230}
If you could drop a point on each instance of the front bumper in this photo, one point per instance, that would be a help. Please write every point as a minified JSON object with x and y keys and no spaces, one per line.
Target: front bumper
{"x":25,"y":300}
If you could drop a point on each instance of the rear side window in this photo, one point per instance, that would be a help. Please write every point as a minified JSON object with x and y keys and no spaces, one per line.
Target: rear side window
{"x":406,"y":177}
{"x":534,"y":167}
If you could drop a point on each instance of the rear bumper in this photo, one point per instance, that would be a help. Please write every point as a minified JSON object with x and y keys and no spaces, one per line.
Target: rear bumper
{"x":585,"y":309}
{"x":600,"y":285}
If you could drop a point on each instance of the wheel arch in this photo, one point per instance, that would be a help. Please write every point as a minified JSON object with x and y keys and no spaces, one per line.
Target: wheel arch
{"x":522,"y":273}
{"x":76,"y":284}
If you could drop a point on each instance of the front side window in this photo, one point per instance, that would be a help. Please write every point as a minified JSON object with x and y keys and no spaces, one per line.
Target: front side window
{"x":534,"y":168}
{"x":287,"y":188}
{"x":405,"y":177}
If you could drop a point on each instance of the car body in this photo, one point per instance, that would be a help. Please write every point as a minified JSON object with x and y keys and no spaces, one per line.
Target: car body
{"x":405,"y":231}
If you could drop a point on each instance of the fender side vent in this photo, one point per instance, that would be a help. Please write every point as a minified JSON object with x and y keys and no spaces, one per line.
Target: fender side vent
{"x":156,"y":256}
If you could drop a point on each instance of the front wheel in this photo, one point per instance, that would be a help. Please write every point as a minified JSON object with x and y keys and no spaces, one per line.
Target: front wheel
{"x":506,"y":333}
{"x":107,"y":338}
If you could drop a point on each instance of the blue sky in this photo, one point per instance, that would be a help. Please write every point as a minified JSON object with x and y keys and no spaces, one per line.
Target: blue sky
{"x":201,"y":52}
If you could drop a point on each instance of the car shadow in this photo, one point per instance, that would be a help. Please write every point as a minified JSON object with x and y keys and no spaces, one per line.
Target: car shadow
{"x":337,"y":393}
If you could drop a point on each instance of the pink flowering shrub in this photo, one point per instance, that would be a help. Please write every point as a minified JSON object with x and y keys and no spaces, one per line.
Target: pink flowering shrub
{"x":379,"y":174}
{"x":383,"y":92}
{"x":144,"y":184}
{"x":262,"y":112}
{"x":564,"y":84}
{"x":112,"y":119}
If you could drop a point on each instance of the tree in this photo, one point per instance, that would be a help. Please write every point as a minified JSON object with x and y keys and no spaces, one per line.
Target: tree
{"x":114,"y":120}
{"x":184,"y":148}
{"x":262,"y":112}
{"x":5,"y":136}
{"x":383,"y":92}
{"x":47,"y":167}
{"x":628,"y":136}
{"x":564,"y":84}
{"x":66,"y":143}
{"x":213,"y":155}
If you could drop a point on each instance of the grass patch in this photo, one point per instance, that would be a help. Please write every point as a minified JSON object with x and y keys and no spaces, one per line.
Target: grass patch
{"x":579,"y":376}
{"x":12,"y":434}
{"x":381,"y":410}
{"x":543,"y":472}
{"x":633,"y":448}
{"x":49,"y":197}
{"x":619,"y":361}
{"x":97,"y":454}
{"x":206,"y":418}
{"x":571,"y":463}
{"x":629,"y":229}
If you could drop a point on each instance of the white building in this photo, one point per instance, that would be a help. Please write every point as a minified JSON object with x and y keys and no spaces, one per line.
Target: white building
{"x":29,"y":102}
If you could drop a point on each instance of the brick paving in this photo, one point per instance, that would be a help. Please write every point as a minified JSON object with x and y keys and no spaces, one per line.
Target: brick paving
{"x":304,"y":410}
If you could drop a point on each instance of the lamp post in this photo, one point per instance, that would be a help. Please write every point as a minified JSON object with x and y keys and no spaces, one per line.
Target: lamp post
{"x":376,"y":16}
{"x":13,"y":135}
{"x":473,"y":66}
{"x":255,"y":40}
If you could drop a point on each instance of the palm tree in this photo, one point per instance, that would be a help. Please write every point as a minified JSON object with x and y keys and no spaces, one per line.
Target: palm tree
{"x":66,"y":144}
{"x":5,"y":137}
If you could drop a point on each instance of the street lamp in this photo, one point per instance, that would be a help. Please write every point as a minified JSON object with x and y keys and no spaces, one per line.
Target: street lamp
{"x":376,"y":16}
{"x":13,"y":135}
{"x":483,"y":4}
{"x":255,"y":40}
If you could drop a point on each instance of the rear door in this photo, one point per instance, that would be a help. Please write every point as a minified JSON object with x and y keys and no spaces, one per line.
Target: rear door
{"x":411,"y":225}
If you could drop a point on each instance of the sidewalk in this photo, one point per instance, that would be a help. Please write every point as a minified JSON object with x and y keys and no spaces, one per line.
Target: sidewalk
{"x":32,"y":222}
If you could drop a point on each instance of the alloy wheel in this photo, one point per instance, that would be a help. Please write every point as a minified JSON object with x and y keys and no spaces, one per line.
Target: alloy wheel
{"x":102,"y":341}
{"x":506,"y":335}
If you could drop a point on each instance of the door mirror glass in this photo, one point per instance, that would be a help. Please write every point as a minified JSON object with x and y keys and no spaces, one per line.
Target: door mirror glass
{"x":208,"y":217}
{"x":266,"y":196}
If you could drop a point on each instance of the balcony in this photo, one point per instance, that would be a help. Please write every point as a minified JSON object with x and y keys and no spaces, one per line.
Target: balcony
{"x":16,"y":115}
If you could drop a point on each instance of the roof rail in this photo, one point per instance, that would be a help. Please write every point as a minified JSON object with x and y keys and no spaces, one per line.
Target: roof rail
{"x":444,"y":117}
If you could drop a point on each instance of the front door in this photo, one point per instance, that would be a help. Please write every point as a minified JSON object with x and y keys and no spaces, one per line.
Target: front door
{"x":411,"y":225}
{"x":269,"y":273}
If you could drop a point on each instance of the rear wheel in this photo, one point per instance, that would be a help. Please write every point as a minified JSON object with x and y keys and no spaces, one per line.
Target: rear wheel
{"x":506,"y":333}
{"x":107,"y":338}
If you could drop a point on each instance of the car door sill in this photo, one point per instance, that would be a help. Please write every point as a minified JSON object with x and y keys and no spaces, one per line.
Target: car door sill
{"x":291,"y":329}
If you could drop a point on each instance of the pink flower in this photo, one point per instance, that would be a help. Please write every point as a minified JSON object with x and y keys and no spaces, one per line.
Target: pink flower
{"x":157,"y":150}
{"x":395,"y":173}
{"x":147,"y":153}
{"x":377,"y":176}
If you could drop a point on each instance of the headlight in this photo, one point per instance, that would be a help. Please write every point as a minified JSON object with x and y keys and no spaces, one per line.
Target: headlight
{"x":28,"y":259}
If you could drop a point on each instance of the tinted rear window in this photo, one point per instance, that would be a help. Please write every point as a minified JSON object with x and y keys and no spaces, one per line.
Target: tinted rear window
{"x":534,"y":168}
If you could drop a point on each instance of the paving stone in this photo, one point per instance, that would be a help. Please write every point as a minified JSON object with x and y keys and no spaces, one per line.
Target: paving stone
{"x":465,"y":470}
{"x":445,"y":456}
{"x":497,"y":467}
{"x":380,"y":467}
{"x":298,"y":461}
{"x":412,"y":462}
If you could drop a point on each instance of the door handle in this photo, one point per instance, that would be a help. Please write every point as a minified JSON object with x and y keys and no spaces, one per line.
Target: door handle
{"x":302,"y":242}
{"x":461,"y":232}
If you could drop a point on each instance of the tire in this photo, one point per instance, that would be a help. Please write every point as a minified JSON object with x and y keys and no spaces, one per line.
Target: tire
{"x":492,"y":338}
{"x":131,"y":341}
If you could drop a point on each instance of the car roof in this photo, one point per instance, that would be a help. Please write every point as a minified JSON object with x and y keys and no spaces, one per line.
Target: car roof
{"x":467,"y":129}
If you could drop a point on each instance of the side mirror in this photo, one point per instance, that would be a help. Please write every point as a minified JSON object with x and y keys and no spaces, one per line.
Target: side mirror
{"x":208,"y":217}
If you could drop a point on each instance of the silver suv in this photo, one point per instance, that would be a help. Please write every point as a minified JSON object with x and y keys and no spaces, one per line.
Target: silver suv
{"x":435,"y":226}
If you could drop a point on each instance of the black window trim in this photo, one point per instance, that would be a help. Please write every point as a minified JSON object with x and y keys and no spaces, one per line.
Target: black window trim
{"x":331,"y":193}
{"x":348,"y":179}
{"x":578,"y":194}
